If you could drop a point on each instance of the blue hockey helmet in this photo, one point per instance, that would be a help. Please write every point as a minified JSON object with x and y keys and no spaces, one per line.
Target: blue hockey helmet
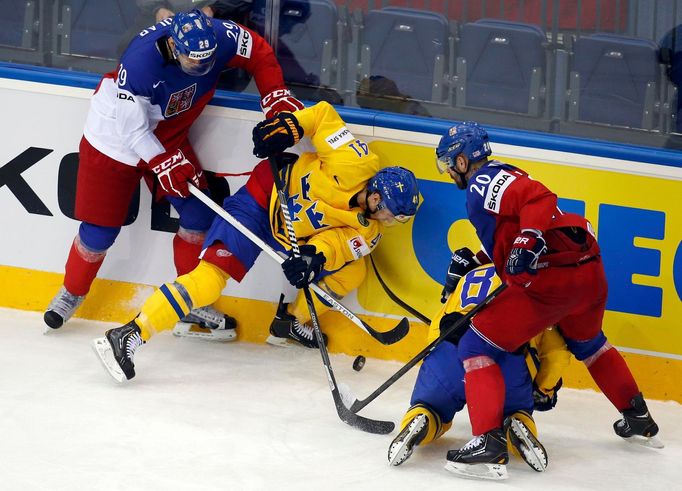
{"x":399,"y":192}
{"x":195,"y":42}
{"x":468,"y":138}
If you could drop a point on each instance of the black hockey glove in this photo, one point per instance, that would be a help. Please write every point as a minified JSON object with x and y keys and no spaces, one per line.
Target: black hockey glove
{"x":545,"y":400}
{"x":303,"y":270}
{"x":275,"y":135}
{"x":463,"y":260}
{"x":522,"y":262}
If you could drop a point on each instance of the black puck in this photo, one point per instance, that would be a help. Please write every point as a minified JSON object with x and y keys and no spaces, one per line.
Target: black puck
{"x":359,"y":363}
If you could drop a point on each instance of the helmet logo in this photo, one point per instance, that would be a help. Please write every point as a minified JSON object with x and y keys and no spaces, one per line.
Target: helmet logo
{"x":400,"y":186}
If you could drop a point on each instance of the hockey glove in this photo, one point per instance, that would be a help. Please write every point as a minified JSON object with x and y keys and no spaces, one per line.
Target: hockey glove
{"x":303,"y":270}
{"x":275,"y":135}
{"x":463,"y":260}
{"x":279,"y":101}
{"x":522,"y":262}
{"x":174,"y":171}
{"x":544,"y":400}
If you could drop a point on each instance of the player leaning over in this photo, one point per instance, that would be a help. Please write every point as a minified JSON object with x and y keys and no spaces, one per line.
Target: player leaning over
{"x":552,"y":264}
{"x":531,"y":377}
{"x":339,"y":198}
{"x":137,"y":126}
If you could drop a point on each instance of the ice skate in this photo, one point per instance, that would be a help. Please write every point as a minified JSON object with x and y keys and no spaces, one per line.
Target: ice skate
{"x":286,"y":328}
{"x":61,"y":308}
{"x":484,"y":457}
{"x":207,"y":323}
{"x":402,"y":446}
{"x":525,"y":442}
{"x":117,"y":349}
{"x":637,"y":425}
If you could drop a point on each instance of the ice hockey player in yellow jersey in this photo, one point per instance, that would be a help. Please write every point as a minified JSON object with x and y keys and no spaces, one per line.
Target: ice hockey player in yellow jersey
{"x":439,"y":390}
{"x":340,"y":197}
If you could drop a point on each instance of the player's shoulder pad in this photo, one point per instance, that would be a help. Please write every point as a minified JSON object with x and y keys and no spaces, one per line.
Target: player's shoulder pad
{"x":233,"y":39}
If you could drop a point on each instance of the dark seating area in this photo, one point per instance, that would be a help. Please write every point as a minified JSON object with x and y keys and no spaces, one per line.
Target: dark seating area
{"x":609,"y":71}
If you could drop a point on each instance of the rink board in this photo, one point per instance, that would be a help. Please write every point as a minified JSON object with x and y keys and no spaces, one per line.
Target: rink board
{"x":633,"y":204}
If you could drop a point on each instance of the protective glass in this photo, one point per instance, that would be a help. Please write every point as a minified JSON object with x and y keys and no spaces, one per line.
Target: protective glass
{"x":195,"y":68}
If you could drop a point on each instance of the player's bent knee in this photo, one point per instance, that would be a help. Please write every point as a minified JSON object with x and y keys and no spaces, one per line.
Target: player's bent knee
{"x":472,"y":345}
{"x":97,"y":238}
{"x":583,"y":350}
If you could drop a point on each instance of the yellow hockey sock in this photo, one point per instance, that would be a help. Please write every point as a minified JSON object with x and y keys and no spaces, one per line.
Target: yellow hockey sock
{"x":526,"y":419}
{"x":299,"y":307}
{"x":435,"y":428}
{"x":173,"y":301}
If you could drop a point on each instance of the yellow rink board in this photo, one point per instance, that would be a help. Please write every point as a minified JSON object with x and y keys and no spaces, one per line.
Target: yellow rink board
{"x":115,"y":301}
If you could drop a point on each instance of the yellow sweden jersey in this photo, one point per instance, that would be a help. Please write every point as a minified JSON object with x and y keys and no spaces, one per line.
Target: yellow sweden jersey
{"x":320,"y":186}
{"x":546,"y":356}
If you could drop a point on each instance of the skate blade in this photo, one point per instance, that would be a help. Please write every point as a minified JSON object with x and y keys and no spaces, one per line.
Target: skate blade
{"x":400,"y":451}
{"x":190,"y":330}
{"x":281,"y":342}
{"x":649,"y":442}
{"x":489,"y":472}
{"x":531,"y":451}
{"x":106,"y":356}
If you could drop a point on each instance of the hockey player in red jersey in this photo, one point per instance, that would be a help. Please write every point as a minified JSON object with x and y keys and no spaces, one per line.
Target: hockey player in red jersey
{"x":552,"y":265}
{"x":138,"y":125}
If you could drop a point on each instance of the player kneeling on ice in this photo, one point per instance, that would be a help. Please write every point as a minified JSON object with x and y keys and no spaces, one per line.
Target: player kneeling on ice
{"x":552,"y":265}
{"x":138,"y":126}
{"x":531,"y":376}
{"x":340,"y":199}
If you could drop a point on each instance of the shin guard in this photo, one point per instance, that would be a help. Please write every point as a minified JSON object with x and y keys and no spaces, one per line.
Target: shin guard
{"x":612,"y":375}
{"x":81,"y":267}
{"x":484,"y":389}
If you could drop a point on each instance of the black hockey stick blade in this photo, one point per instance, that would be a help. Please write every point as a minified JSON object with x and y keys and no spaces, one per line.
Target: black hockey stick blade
{"x":367,"y":425}
{"x":391,"y":336}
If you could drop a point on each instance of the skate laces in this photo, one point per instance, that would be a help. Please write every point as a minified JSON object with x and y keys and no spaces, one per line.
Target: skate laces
{"x":65,"y":303}
{"x":473,"y":443}
{"x":133,"y":342}
{"x":208,"y":315}
{"x":304,"y":330}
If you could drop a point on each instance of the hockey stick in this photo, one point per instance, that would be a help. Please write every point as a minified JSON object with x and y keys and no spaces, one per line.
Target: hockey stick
{"x":395,"y":297}
{"x":463,"y":321}
{"x":388,"y":337}
{"x":348,"y":417}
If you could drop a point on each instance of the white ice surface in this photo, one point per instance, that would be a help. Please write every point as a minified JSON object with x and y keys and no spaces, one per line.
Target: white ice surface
{"x":242,"y":416}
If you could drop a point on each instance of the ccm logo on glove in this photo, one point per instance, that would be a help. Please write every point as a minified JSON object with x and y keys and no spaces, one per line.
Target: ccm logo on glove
{"x":278,"y":101}
{"x":174,"y":171}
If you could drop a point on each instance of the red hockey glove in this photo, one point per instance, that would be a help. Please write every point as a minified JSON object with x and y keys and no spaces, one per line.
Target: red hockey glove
{"x":275,"y":135}
{"x":522,"y":262}
{"x":463,"y":260}
{"x":279,"y":100}
{"x":173,"y":172}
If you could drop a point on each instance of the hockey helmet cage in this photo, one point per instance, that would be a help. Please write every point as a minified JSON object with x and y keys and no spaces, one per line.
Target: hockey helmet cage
{"x":467,"y":138}
{"x":399,"y":192}
{"x":194,"y":38}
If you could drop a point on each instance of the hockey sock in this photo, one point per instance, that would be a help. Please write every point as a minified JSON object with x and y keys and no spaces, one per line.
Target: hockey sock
{"x":613,"y":377}
{"x":299,"y":307}
{"x":484,"y":389}
{"x":81,"y":267}
{"x":527,"y":420}
{"x":173,"y":301}
{"x":187,"y":246}
{"x":435,"y":429}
